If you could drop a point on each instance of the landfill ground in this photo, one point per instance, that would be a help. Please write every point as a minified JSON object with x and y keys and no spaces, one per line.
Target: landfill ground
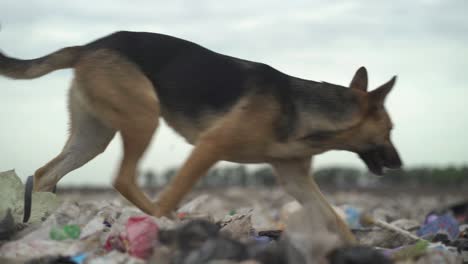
{"x":253,"y":224}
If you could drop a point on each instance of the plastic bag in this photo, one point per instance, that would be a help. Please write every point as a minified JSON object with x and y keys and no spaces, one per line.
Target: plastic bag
{"x":138,"y":239}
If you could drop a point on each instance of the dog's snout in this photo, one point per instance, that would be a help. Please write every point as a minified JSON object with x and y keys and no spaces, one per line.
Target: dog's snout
{"x":391,"y":157}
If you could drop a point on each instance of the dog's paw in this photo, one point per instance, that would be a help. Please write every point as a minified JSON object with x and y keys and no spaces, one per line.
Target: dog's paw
{"x":162,"y":211}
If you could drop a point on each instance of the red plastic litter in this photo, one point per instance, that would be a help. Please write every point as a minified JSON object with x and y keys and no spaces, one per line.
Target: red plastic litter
{"x":142,"y":234}
{"x":181,"y":215}
{"x":138,"y":239}
{"x":115,"y":243}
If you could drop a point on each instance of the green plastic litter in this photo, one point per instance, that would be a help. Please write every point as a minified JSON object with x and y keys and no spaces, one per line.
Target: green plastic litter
{"x":413,"y":251}
{"x":65,"y":232}
{"x":12,"y":196}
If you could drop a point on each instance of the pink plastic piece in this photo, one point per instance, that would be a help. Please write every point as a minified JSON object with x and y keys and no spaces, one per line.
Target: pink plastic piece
{"x":138,"y":239}
{"x":141,"y":234}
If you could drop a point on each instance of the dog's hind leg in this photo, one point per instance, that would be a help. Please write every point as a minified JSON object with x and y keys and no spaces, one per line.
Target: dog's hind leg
{"x":88,"y":138}
{"x":136,"y":138}
{"x":121,"y":96}
{"x":294,"y":176}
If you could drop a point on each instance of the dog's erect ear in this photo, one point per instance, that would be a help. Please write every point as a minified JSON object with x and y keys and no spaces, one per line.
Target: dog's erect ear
{"x":378,"y":95}
{"x":359,"y":80}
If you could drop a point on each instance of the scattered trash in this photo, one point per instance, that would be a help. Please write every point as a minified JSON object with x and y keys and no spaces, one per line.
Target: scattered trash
{"x":116,"y":257}
{"x":262,"y":239}
{"x":463,"y":231}
{"x":79,"y":259}
{"x":273,"y":234}
{"x":52,"y":260}
{"x":7,"y":226}
{"x":181,"y":215}
{"x":193,"y":234}
{"x":216,"y":249}
{"x":30,"y":249}
{"x":437,"y":253}
{"x":141,"y":234}
{"x":406,"y":224}
{"x":368,"y":220}
{"x":273,"y":252}
{"x":101,"y":222}
{"x":357,"y":254}
{"x":385,"y":214}
{"x":239,"y":228}
{"x":387,"y":238}
{"x":263,"y":219}
{"x":352,"y":216}
{"x":200,"y":241}
{"x":204,"y":206}
{"x":458,"y":210}
{"x":382,"y":238}
{"x":461,"y":245}
{"x":439,"y":237}
{"x":65,"y":232}
{"x":425,"y":252}
{"x":211,"y":229}
{"x":409,"y":252}
{"x":138,"y":239}
{"x":162,"y":255}
{"x":12,"y":197}
{"x":444,"y":224}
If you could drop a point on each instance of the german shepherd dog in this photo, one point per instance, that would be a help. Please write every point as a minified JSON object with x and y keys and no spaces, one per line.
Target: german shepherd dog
{"x":228,"y":108}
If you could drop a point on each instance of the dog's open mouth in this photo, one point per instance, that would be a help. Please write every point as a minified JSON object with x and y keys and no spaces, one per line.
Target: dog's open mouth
{"x":376,"y":159}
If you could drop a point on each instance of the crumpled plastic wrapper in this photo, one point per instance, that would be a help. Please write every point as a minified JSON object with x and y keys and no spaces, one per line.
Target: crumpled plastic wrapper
{"x":238,"y":226}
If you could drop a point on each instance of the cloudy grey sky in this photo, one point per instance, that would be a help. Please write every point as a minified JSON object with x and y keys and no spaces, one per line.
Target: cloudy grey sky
{"x":424,"y":42}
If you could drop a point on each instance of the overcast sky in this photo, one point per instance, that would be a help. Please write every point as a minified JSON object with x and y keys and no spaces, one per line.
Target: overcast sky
{"x":424,"y":42}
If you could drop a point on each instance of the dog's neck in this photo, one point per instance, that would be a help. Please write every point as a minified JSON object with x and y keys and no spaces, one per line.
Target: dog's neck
{"x":324,"y":110}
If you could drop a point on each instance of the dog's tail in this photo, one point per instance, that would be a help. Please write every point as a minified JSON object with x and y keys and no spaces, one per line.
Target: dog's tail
{"x":29,"y":69}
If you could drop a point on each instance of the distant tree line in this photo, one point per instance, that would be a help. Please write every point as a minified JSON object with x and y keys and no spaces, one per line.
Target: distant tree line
{"x":340,"y":177}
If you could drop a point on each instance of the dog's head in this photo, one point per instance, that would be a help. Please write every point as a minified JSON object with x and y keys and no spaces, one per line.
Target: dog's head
{"x":371,"y":139}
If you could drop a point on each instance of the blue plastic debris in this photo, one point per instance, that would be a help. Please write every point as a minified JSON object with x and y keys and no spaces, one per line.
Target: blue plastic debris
{"x":444,"y":224}
{"x":262,"y":239}
{"x":353,"y":217}
{"x":107,"y":224}
{"x":79,"y":259}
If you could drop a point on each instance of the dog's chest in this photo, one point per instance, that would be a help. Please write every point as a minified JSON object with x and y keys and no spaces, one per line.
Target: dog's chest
{"x":185,"y":129}
{"x":289,"y":150}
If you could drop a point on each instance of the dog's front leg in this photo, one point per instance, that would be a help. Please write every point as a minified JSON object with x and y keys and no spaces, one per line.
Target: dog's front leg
{"x":204,"y":155}
{"x":294,"y":176}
